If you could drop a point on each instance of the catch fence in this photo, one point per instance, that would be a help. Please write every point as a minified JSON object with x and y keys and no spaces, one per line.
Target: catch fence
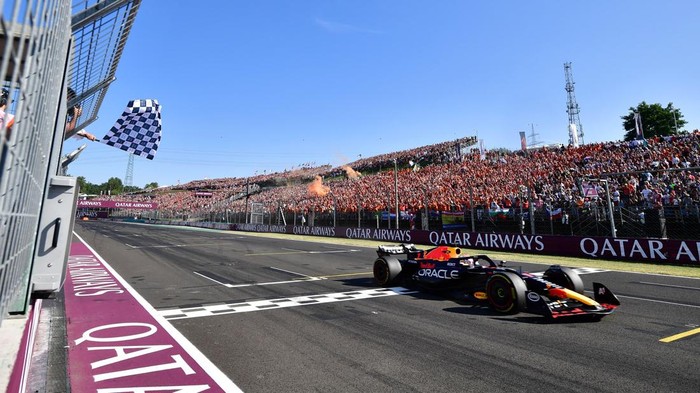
{"x":57,"y":55}
{"x":667,"y":222}
{"x":34,"y":42}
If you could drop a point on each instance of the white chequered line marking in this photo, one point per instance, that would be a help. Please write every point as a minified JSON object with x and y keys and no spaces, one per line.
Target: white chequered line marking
{"x":259,"y":305}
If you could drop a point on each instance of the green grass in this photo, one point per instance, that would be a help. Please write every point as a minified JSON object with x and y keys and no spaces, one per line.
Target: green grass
{"x":638,"y":267}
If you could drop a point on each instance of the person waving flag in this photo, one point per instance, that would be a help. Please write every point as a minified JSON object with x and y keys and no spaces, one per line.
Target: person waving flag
{"x":138,"y":130}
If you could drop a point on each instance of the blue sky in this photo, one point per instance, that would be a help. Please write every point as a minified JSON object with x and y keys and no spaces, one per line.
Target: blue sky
{"x":253,"y":86}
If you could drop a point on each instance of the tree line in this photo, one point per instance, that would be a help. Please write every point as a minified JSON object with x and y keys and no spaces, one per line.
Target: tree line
{"x":113,"y":186}
{"x":654,"y":119}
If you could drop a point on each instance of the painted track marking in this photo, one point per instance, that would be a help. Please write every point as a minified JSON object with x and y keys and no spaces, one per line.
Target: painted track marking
{"x":304,"y":278}
{"x":680,"y":336}
{"x":257,"y":284}
{"x":345,"y":275}
{"x":658,"y":301}
{"x":209,"y":278}
{"x":290,"y":272}
{"x":141,"y":311}
{"x":173,"y":245}
{"x":259,"y":305}
{"x":669,"y":285}
{"x":292,"y":252}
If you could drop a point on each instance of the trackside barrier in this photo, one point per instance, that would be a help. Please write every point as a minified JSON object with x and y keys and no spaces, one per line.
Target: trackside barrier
{"x":56,"y":226}
{"x":648,"y":250}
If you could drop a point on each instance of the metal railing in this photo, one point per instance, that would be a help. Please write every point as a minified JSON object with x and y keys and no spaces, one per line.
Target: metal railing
{"x":600,"y":215}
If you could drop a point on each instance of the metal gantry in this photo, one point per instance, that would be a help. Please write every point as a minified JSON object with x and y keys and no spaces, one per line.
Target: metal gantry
{"x":572,"y":109}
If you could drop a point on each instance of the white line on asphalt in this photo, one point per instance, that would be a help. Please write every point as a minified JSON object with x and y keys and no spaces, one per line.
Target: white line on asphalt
{"x":659,"y":301}
{"x":175,"y":245}
{"x":332,"y":251}
{"x":257,"y":284}
{"x":292,"y":251}
{"x":290,"y":272}
{"x":273,"y":282}
{"x":209,"y":278}
{"x":669,"y":285}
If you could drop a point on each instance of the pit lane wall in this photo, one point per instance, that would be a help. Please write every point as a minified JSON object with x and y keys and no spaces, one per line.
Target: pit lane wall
{"x":648,"y":250}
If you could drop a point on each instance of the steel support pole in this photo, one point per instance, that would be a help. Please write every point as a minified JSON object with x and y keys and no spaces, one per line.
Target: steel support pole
{"x":396,"y":193}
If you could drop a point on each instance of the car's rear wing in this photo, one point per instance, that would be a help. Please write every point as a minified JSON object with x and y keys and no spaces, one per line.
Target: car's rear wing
{"x":395,"y":250}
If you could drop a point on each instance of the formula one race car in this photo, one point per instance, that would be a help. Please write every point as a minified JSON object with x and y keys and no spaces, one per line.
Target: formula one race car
{"x":555,"y":294}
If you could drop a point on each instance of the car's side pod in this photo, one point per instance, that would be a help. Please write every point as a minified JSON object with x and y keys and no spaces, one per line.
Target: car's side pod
{"x":603,"y":295}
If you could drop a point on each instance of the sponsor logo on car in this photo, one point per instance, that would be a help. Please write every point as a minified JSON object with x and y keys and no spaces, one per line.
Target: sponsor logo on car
{"x":480,"y":295}
{"x":533,"y":296}
{"x":439,"y":273}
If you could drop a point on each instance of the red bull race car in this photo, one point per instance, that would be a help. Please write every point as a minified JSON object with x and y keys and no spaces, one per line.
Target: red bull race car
{"x":558,"y":293}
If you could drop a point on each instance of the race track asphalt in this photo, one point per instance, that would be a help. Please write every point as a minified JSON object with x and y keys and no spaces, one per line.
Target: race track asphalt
{"x":310,"y":319}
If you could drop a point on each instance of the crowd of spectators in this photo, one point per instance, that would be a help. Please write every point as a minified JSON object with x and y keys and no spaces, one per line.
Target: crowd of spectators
{"x":436,"y":154}
{"x":457,"y":176}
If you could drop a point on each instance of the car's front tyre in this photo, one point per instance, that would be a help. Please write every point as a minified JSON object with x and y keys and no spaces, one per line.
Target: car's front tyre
{"x":505,"y":293}
{"x":565,"y":277}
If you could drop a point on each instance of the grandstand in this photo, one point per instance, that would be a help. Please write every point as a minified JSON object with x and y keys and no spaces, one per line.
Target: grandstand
{"x":543,"y":187}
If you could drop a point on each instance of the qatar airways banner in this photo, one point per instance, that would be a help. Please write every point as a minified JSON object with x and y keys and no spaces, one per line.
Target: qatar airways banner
{"x":625,"y":249}
{"x":84,"y":203}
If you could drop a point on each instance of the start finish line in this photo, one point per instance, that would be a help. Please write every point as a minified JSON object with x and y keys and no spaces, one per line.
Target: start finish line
{"x":117,"y":343}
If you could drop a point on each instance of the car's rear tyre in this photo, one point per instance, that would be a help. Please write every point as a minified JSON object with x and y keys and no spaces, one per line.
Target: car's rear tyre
{"x":386,"y":270}
{"x":505,"y":293}
{"x":564,"y":276}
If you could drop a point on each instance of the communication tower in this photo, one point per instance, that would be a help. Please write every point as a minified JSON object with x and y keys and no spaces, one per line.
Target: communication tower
{"x":129,"y":178}
{"x":532,"y":138}
{"x":575,"y":128}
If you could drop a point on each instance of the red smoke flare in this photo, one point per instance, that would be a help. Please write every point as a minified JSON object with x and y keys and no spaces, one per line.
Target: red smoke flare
{"x":352,"y":174}
{"x":317,"y":187}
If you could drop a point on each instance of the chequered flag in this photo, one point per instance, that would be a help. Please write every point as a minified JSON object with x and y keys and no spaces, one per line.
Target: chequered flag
{"x":138,"y":130}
